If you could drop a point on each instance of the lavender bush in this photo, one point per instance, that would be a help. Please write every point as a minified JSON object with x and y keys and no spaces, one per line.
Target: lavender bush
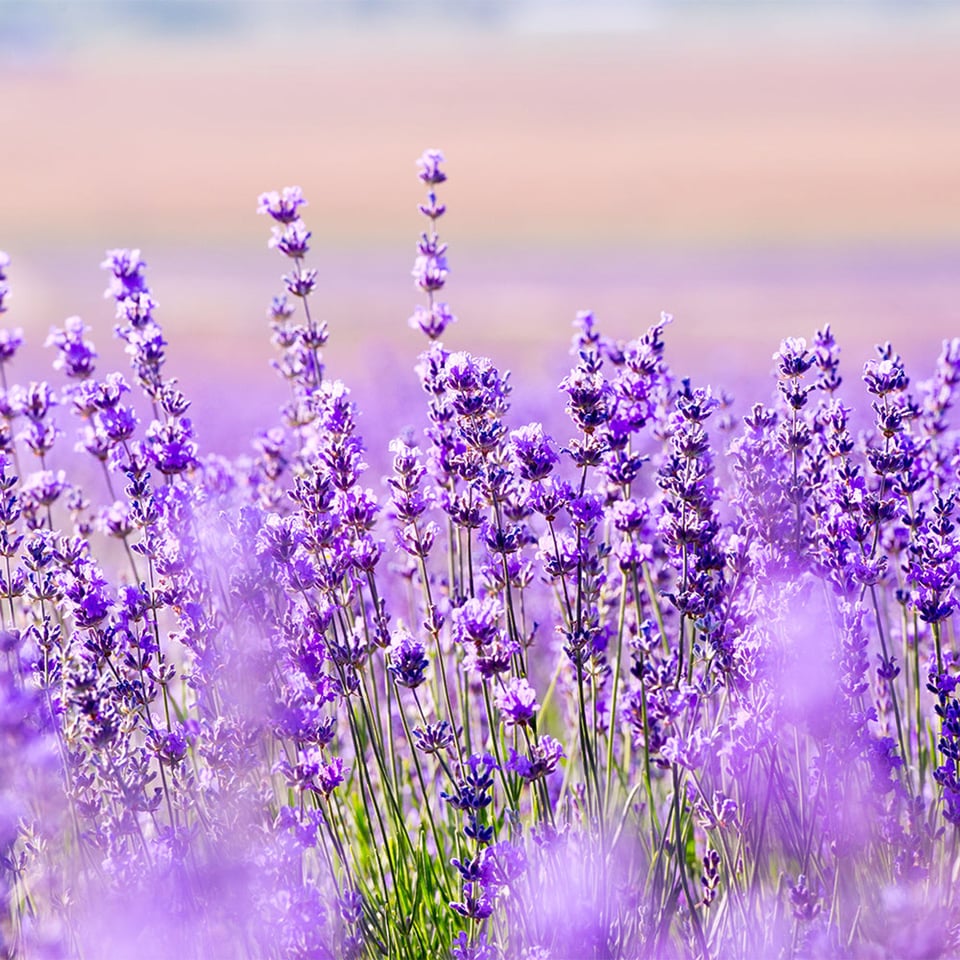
{"x":652,"y":680}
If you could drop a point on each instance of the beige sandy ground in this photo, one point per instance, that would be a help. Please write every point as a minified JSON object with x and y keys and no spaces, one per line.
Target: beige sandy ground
{"x":756,"y":184}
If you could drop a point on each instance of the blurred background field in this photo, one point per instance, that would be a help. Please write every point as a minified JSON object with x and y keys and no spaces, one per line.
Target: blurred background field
{"x":755,"y":169}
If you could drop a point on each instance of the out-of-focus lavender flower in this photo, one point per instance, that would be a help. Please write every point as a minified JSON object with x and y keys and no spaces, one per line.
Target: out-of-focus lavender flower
{"x":430,"y":273}
{"x":36,"y":400}
{"x":282,"y":205}
{"x":432,"y":320}
{"x":75,"y":354}
{"x":517,"y":702}
{"x":10,"y":342}
{"x":476,"y":905}
{"x":280,"y":308}
{"x":478,"y":621}
{"x":4,"y":288}
{"x":710,"y":878}
{"x":805,"y":900}
{"x":545,"y":754}
{"x":301,"y":284}
{"x":291,"y":239}
{"x":827,"y":358}
{"x":477,"y":626}
{"x":127,"y":268}
{"x":433,"y":208}
{"x":429,"y":163}
{"x":136,"y":310}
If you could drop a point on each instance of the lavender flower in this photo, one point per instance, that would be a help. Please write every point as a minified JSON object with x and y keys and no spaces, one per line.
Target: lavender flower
{"x":282,"y":205}
{"x":517,"y":702}
{"x":542,"y":760}
{"x":430,"y":268}
{"x":4,"y":288}
{"x":10,"y":343}
{"x":533,"y":452}
{"x":408,"y":661}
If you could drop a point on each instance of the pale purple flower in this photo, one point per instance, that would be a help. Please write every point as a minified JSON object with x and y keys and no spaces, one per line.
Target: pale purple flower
{"x":10,"y":341}
{"x":127,"y":267}
{"x":429,"y":163}
{"x":291,"y":239}
{"x":282,"y":205}
{"x":432,"y":320}
{"x":75,"y":355}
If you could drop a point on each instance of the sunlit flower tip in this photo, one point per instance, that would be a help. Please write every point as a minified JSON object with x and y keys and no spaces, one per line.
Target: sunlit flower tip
{"x":124,"y":263}
{"x":4,"y":264}
{"x":282,"y":205}
{"x":429,"y":164}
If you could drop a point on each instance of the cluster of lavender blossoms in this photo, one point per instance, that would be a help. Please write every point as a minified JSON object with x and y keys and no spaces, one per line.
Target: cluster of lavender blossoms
{"x":667,"y":676}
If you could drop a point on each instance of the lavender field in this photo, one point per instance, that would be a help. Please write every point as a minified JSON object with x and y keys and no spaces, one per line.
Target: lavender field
{"x":507,"y":617}
{"x":664,"y":682}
